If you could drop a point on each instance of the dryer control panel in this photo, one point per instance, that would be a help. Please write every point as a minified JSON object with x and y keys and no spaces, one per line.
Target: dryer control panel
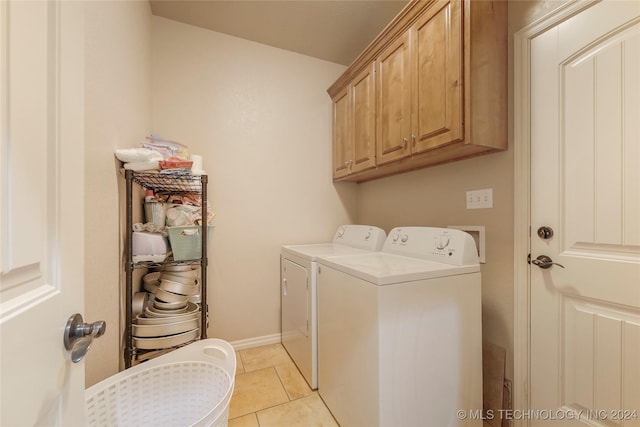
{"x":445,"y":245}
{"x":360,"y":236}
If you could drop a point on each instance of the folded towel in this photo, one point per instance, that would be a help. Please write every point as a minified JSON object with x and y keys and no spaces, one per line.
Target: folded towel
{"x":130,"y":155}
{"x":142,"y":166}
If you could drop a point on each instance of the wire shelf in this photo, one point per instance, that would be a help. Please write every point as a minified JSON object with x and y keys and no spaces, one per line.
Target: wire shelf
{"x":158,"y":182}
{"x":168,"y":261}
{"x":170,"y":183}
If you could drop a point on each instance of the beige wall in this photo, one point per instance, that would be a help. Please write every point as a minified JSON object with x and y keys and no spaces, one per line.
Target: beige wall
{"x":118,"y":115}
{"x":261,"y":119}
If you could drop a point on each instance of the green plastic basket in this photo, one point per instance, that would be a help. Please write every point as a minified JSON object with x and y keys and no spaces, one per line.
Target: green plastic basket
{"x":186,"y":241}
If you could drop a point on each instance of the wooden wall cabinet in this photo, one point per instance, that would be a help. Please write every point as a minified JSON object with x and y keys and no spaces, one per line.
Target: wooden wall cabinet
{"x":440,"y":84}
{"x":394,"y":100}
{"x":437,"y":116}
{"x":354,"y":126}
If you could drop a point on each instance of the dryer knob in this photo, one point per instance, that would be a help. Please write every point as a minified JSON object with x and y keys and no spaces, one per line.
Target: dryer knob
{"x":443,"y":242}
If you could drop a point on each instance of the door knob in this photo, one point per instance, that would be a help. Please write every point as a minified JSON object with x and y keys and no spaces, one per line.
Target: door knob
{"x":545,"y":262}
{"x":78,"y":336}
{"x":545,"y":232}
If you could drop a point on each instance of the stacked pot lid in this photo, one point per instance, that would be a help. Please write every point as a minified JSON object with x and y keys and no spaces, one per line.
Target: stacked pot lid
{"x":170,"y":317}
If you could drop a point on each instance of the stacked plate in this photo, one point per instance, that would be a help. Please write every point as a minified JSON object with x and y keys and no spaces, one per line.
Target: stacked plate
{"x":151,"y":282}
{"x":169,"y":318}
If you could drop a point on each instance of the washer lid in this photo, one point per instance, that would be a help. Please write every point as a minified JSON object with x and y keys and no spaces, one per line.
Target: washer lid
{"x":382,"y":268}
{"x":312,"y":252}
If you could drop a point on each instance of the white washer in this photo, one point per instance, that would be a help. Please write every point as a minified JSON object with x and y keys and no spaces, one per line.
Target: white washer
{"x":400,"y":335}
{"x":298,"y":269}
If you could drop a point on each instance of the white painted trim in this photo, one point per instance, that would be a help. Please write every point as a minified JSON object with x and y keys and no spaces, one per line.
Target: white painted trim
{"x":520,"y":399}
{"x":256,"y":341}
{"x":4,"y":141}
{"x":522,"y":188}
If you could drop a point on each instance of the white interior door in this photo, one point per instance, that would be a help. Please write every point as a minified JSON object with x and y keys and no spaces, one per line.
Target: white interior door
{"x":41,"y":219}
{"x":585,"y":186}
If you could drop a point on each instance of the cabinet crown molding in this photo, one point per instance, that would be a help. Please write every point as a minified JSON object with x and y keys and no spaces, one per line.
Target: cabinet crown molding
{"x":403,"y":20}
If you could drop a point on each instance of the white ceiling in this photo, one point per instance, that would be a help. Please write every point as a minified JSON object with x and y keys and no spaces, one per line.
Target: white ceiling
{"x":333,"y":30}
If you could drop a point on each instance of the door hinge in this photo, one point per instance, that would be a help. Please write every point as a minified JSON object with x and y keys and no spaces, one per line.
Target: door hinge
{"x":319,"y":270}
{"x":529,"y":259}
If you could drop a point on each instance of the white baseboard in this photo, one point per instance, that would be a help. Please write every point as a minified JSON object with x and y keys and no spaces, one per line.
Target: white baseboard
{"x":256,"y":341}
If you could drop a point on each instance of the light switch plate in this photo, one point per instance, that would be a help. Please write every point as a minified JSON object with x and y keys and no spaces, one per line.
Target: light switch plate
{"x":480,"y":199}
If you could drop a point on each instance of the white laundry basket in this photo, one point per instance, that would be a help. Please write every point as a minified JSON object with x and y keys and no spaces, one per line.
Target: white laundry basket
{"x":191,"y":386}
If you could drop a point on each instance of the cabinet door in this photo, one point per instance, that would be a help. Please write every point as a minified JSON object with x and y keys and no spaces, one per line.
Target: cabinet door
{"x":394,"y":101}
{"x":363,"y":104}
{"x":342,"y":147}
{"x":437,"y":112}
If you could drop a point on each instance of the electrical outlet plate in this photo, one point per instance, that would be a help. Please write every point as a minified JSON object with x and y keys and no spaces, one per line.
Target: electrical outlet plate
{"x":477,"y":232}
{"x":480,"y":199}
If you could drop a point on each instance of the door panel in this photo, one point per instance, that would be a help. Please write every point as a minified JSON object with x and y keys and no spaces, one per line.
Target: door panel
{"x":600,"y":349}
{"x":437,"y":86}
{"x":364,"y":120}
{"x":394,"y":101}
{"x":600,"y":197}
{"x":585,"y":158}
{"x":342,"y":148}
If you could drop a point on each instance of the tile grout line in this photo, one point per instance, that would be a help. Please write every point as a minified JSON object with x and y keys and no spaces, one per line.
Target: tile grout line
{"x":241,"y":361}
{"x":282,"y":384}
{"x":268,"y":407}
{"x":273,"y":406}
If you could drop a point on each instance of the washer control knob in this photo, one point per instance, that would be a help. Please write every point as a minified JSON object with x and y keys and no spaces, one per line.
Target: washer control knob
{"x":404,"y":238}
{"x":340,"y":232}
{"x":368,"y":236}
{"x":443,"y":242}
{"x":396,"y":236}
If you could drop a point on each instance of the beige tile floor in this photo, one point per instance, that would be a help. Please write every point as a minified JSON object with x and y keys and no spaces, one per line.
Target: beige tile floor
{"x":271,"y":392}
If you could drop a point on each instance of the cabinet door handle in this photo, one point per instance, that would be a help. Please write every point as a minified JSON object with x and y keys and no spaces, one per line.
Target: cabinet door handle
{"x":404,"y":141}
{"x":413,"y":138}
{"x":348,"y":163}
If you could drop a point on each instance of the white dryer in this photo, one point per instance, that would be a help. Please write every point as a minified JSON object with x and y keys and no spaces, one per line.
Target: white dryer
{"x":400,"y":336}
{"x":298,"y":268}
